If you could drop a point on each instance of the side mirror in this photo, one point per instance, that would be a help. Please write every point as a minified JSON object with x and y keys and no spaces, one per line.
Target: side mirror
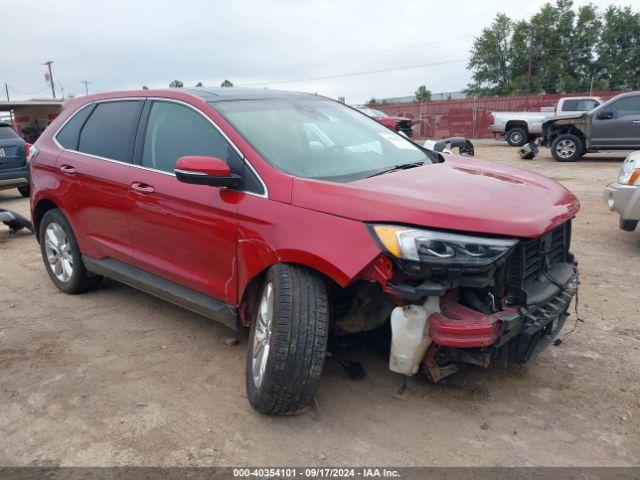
{"x":205,"y":171}
{"x":605,"y":115}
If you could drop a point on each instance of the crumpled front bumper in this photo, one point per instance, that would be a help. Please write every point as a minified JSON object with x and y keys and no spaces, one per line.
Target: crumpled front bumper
{"x":462,"y":335}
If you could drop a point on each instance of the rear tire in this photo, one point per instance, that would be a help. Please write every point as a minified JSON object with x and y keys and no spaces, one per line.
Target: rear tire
{"x":61,"y":255}
{"x":567,"y":148}
{"x":24,"y":190}
{"x":517,"y":136}
{"x":288,"y":340}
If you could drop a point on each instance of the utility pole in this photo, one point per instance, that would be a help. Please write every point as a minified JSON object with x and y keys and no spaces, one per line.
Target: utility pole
{"x":86,"y":86}
{"x":6,"y":89}
{"x":53,"y":89}
{"x":532,"y":30}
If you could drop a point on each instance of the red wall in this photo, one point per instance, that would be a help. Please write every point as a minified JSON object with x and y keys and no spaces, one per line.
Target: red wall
{"x":469,"y":117}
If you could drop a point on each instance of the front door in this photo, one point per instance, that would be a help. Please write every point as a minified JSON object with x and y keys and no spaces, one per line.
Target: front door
{"x":181,"y":232}
{"x":617,"y":126}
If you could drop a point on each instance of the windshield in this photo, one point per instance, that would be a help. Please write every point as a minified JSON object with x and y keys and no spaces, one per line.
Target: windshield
{"x":319,"y":138}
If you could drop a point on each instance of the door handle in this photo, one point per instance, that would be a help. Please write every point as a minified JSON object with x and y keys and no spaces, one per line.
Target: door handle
{"x":635,"y":121}
{"x":67,"y":169}
{"x":142,"y":187}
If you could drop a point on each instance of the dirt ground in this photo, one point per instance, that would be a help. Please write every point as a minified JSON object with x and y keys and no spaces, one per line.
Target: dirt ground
{"x":117,"y":377}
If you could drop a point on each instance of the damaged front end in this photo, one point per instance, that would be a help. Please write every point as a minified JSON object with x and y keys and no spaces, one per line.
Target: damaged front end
{"x":467,"y":299}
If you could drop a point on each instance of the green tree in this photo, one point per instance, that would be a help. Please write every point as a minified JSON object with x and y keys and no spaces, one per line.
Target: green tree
{"x":586,"y":35}
{"x":199,"y":85}
{"x":571,"y":50}
{"x":372,"y":102}
{"x":619,"y":48}
{"x":422,"y":93}
{"x":226,"y":83}
{"x":176,"y":84}
{"x":490,"y":60}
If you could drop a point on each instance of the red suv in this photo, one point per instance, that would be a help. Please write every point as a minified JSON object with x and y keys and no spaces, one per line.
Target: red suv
{"x":302,"y":218}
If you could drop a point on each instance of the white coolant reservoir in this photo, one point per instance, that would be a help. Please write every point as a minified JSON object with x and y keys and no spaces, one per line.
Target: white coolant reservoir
{"x":410,"y":335}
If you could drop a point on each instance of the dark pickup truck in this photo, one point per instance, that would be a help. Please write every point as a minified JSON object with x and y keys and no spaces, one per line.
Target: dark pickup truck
{"x":14,"y":172}
{"x":614,"y":125}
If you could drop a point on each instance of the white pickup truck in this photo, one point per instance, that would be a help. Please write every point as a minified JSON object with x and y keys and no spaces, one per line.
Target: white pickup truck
{"x":519,"y":128}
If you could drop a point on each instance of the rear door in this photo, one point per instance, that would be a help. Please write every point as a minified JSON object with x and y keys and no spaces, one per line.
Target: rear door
{"x":95,"y":172}
{"x":184,"y":233}
{"x":622,"y":130}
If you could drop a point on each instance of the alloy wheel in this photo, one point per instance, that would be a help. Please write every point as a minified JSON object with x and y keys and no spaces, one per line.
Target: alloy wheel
{"x":58,"y":250}
{"x":566,"y":148}
{"x":262,"y":335}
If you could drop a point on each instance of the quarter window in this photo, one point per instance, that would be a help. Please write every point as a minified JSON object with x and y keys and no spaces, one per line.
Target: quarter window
{"x":109,"y":132}
{"x":70,"y":133}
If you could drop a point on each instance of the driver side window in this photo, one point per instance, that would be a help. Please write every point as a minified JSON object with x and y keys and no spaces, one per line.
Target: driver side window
{"x":174,"y":131}
{"x":625,"y":107}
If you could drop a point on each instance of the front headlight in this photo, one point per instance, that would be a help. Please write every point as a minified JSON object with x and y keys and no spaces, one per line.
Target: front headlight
{"x":630,"y":171}
{"x":441,"y":248}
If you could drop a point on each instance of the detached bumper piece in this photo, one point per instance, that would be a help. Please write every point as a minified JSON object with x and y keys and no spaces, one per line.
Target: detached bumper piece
{"x":464,"y":336}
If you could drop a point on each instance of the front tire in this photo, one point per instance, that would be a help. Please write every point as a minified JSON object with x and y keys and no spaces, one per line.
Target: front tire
{"x":288,"y":340}
{"x":567,"y":148}
{"x":61,"y":255}
{"x":517,"y":136}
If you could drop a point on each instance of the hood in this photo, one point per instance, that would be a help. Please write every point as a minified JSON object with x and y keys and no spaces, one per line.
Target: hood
{"x":462,"y":193}
{"x":569,"y":116}
{"x":392,"y":120}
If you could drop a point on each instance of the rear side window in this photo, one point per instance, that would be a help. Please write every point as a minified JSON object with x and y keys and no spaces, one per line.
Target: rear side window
{"x":7,"y":133}
{"x":70,"y":133}
{"x":579,"y":105}
{"x":110,"y":130}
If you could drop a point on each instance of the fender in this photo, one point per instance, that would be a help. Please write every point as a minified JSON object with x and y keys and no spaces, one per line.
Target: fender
{"x":297,"y":235}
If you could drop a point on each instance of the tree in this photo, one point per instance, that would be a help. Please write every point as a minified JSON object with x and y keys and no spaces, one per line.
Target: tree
{"x":571,"y":50}
{"x":199,"y":85}
{"x":176,"y":84}
{"x":422,"y":93}
{"x":490,"y":60}
{"x":372,"y":102}
{"x":619,"y":48}
{"x":226,"y":83}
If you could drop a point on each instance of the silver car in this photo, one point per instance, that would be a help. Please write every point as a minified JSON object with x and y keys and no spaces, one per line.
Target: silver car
{"x":623,"y":196}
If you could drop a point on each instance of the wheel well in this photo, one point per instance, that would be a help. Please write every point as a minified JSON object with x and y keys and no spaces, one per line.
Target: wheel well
{"x":249,"y":295}
{"x":42,"y":207}
{"x":517,"y":123}
{"x":564,"y":129}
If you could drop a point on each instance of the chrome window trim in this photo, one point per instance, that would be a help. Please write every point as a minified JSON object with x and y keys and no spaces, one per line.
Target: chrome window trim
{"x":172,"y":174}
{"x":189,"y":172}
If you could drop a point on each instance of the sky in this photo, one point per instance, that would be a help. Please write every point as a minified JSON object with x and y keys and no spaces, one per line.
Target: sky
{"x":314,"y":46}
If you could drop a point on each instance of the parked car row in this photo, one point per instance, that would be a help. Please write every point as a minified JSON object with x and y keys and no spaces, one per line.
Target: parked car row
{"x":612,"y":126}
{"x":519,"y":128}
{"x":301,"y":218}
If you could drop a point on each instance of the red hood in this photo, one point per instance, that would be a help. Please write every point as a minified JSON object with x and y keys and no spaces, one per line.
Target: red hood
{"x":391,"y":121}
{"x":462,"y":193}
